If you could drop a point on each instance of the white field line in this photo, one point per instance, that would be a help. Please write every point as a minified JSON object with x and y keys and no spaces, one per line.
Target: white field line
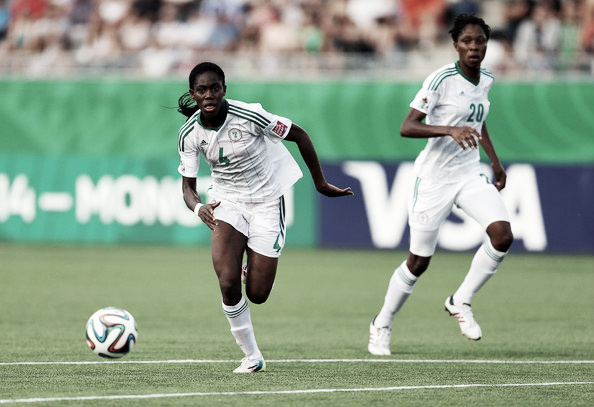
{"x":181,"y":361}
{"x":310,"y":391}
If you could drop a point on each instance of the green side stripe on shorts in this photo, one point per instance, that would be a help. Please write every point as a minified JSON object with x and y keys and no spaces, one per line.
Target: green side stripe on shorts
{"x":416,"y":192}
{"x":282,"y":216}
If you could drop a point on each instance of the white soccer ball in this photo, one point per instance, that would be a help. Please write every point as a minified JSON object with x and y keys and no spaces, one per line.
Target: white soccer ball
{"x":111,"y":332}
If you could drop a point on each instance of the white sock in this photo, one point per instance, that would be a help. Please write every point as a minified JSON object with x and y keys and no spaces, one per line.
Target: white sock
{"x":240,"y":320}
{"x":484,"y":265}
{"x":401,"y":286}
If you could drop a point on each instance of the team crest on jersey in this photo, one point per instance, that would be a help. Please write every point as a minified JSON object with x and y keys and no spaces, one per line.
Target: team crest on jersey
{"x":279,"y":129}
{"x":235,"y":134}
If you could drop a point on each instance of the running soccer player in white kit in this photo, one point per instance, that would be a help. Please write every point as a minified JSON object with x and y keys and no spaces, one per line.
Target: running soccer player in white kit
{"x":450,"y":111}
{"x":251,"y":170}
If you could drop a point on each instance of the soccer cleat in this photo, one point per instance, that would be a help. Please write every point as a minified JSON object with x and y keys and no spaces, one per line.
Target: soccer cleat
{"x":244,"y":273}
{"x":465,"y":318}
{"x":249,"y":365}
{"x":379,"y":340}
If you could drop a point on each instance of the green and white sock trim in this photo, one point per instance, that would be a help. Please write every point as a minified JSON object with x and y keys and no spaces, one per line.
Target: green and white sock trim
{"x":494,"y":254}
{"x":233,"y":311}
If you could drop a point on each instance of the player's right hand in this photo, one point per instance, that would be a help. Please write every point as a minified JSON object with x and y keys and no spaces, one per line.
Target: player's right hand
{"x":206,"y":213}
{"x":466,"y":137}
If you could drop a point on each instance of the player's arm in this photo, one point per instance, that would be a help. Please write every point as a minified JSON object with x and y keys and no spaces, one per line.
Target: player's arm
{"x":413,"y":126}
{"x":498,"y":171}
{"x":194,"y":203}
{"x":299,"y":136}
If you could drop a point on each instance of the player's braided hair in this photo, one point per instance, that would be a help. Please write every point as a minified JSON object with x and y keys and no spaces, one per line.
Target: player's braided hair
{"x":185,"y":103}
{"x":463,"y":20}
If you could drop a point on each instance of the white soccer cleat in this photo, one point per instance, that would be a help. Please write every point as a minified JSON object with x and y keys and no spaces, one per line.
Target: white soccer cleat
{"x":379,"y":340}
{"x":249,"y":365}
{"x":463,"y":314}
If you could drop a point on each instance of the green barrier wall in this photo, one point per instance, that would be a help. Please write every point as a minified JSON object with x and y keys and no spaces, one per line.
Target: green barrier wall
{"x":529,"y":122}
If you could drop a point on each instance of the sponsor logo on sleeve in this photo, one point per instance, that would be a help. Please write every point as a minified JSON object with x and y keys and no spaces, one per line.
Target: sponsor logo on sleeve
{"x":279,"y":129}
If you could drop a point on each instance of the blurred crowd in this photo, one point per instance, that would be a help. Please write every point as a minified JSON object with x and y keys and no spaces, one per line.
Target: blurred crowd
{"x":159,"y":38}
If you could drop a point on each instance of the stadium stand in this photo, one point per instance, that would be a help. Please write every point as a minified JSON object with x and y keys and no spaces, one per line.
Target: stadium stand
{"x":277,"y":39}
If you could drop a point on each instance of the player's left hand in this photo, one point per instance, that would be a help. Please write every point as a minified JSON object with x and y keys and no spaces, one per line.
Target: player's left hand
{"x":500,"y":177}
{"x":332,"y":191}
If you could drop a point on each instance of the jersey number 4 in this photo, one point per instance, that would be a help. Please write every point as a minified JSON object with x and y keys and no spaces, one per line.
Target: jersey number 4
{"x":222,"y":158}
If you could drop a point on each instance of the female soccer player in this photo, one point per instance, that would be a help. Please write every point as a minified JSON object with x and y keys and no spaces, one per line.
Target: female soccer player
{"x":251,"y":170}
{"x":450,"y":111}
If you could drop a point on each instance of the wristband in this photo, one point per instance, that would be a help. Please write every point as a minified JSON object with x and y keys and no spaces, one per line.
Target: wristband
{"x":197,"y":207}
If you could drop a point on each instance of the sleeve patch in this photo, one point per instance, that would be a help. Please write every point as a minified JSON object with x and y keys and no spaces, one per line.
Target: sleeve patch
{"x":423,"y":103}
{"x":279,"y":129}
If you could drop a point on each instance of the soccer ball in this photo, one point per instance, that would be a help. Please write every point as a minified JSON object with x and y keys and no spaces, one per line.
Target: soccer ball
{"x":111,"y":332}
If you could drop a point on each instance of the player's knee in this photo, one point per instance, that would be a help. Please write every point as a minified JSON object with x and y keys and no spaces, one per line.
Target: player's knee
{"x":504,"y":241}
{"x":417,"y":265}
{"x":501,"y":236}
{"x":230,"y":290}
{"x":257,"y":296}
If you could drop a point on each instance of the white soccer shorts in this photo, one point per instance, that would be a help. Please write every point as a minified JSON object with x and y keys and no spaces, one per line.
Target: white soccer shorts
{"x":263,"y":223}
{"x":430,"y":204}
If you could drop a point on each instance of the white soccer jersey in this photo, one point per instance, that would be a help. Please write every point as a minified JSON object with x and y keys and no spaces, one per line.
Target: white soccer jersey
{"x":247,"y":159}
{"x":449,"y":98}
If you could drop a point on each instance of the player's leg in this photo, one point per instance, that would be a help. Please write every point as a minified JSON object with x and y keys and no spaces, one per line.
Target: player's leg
{"x":482,"y":202}
{"x":428,"y":206}
{"x":228,"y":246}
{"x":404,"y":278}
{"x":267,"y":232}
{"x":401,"y":286}
{"x":260,"y":276}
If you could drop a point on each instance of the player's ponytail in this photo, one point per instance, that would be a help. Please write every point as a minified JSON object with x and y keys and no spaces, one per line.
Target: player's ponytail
{"x":186,"y":105}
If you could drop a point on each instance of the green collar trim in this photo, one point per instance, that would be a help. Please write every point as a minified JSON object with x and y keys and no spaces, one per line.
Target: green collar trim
{"x":199,"y":120}
{"x":464,"y":75}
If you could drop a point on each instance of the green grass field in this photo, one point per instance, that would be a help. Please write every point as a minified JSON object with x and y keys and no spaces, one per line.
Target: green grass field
{"x":537,"y":317}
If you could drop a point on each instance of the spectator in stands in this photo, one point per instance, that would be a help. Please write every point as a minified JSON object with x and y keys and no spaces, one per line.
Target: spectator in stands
{"x":34,"y":9}
{"x":112,"y":33}
{"x":135,"y":31}
{"x":570,"y":55}
{"x":537,"y":39}
{"x":500,"y":55}
{"x":79,"y":17}
{"x":588,"y":29}
{"x":4,"y":18}
{"x":169,"y":30}
{"x":457,"y":7}
{"x":199,"y":30}
{"x":102,"y":45}
{"x":422,"y":21}
{"x":514,"y":12}
{"x":278,"y":35}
